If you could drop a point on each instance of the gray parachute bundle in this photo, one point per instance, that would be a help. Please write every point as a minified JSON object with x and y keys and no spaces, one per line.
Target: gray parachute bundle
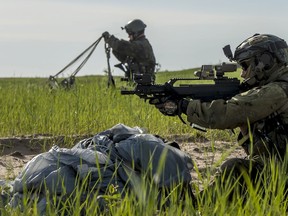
{"x":118,"y":156}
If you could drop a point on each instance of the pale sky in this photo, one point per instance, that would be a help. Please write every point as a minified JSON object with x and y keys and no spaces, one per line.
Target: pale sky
{"x":40,"y":37}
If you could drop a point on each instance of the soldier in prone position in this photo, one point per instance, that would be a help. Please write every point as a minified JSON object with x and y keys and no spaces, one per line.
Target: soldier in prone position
{"x":260,"y":111}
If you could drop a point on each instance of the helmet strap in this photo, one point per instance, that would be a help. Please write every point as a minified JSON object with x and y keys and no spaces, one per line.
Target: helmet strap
{"x":251,"y":79}
{"x":249,"y":83}
{"x":137,"y":35}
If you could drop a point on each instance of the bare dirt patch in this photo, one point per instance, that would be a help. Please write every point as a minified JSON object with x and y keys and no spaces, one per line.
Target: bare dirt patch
{"x":15,"y":152}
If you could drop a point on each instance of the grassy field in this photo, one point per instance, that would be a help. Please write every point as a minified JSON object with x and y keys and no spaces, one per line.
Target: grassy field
{"x":29,"y":107}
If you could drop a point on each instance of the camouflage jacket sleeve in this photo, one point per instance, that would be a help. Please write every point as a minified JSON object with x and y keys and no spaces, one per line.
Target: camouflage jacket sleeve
{"x":125,"y":48}
{"x":252,"y":105}
{"x":140,"y":50}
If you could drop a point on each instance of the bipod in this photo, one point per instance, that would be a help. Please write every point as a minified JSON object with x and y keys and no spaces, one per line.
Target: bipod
{"x":111,"y":80}
{"x":69,"y":82}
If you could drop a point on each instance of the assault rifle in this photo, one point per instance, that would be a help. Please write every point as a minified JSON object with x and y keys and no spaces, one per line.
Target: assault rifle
{"x":222,"y":88}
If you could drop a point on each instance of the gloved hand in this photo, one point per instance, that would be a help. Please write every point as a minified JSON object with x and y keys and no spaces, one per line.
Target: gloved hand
{"x":169,"y":106}
{"x":105,"y":35}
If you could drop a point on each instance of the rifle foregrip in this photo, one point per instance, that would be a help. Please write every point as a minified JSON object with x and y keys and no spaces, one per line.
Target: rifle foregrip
{"x":128,"y":92}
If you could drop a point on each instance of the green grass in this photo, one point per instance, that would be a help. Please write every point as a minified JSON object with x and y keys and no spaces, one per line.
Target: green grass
{"x":28,"y":107}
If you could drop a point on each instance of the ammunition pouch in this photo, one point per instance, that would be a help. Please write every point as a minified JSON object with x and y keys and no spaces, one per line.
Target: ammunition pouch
{"x":269,"y":138}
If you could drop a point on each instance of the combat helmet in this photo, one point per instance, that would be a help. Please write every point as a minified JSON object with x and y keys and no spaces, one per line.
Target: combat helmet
{"x":135,"y":27}
{"x":263,"y":48}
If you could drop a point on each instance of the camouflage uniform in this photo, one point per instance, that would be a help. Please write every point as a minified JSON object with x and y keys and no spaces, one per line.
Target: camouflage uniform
{"x":261,"y":113}
{"x":264,"y":108}
{"x":257,"y":107}
{"x":138,"y":54}
{"x":260,"y":110}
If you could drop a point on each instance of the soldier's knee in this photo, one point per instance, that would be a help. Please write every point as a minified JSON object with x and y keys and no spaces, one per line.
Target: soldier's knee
{"x":233,"y":166}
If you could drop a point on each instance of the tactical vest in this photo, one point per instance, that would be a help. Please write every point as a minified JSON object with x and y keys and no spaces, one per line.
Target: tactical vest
{"x":144,"y":62}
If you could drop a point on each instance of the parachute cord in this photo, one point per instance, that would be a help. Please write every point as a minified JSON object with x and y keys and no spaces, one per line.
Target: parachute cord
{"x":93,"y":46}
